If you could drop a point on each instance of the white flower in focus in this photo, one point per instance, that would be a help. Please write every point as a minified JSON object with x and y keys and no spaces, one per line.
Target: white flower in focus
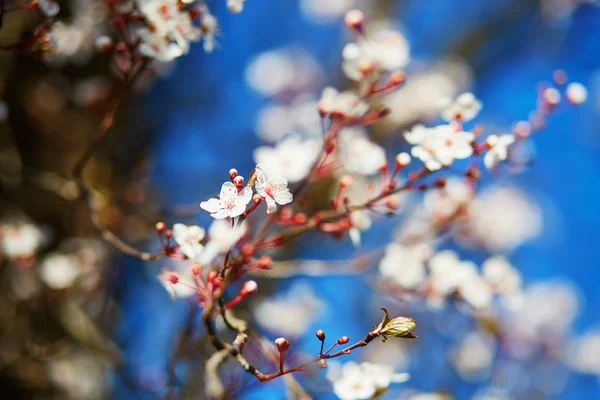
{"x":235,"y":6}
{"x":439,"y":146}
{"x":347,"y":104}
{"x":59,"y":271}
{"x":359,"y":154}
{"x":291,"y":158}
{"x":501,"y":219}
{"x":362,"y":381}
{"x":289,"y":313}
{"x":222,"y":237}
{"x":474,"y":356}
{"x":389,"y":51}
{"x":21,"y":240}
{"x":498,"y":149}
{"x":405,"y":265}
{"x":464,"y":108}
{"x":230,"y":203}
{"x":188,"y":238}
{"x":274,"y":191}
{"x":583,"y":353}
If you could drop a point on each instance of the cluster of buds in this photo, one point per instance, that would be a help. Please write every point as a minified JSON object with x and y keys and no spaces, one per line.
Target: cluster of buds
{"x":170,"y":246}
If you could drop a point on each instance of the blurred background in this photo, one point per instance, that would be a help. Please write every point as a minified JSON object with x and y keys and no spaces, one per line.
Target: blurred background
{"x":80,"y":320}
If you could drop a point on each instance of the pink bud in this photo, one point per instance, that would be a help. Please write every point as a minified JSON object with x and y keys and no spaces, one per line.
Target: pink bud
{"x":343,"y":340}
{"x":354,"y":19}
{"x":248,"y":287}
{"x":282,"y":344}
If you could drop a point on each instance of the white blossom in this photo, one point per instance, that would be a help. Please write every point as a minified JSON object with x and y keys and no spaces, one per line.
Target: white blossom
{"x":188,"y":238}
{"x":361,"y":221}
{"x":60,"y":271}
{"x":21,"y":240}
{"x":230,"y":203}
{"x":362,"y":381}
{"x":500,"y":219}
{"x":386,"y":52}
{"x":289,"y":313}
{"x":501,"y":275}
{"x":498,"y":149}
{"x":347,"y":104}
{"x":440,"y":204}
{"x":474,"y":356}
{"x":439,"y":146}
{"x":576,"y":93}
{"x":464,"y":108}
{"x":274,"y":191}
{"x":583,"y":353}
{"x":221,"y":238}
{"x":359,"y":154}
{"x":291,"y":158}
{"x":235,"y":6}
{"x":405,"y":265}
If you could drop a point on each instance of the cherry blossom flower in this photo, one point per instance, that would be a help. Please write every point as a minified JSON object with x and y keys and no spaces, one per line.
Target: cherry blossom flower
{"x":498,"y":149}
{"x":346,"y":104}
{"x":464,"y":108}
{"x":583,"y":351}
{"x":21,"y":240}
{"x":440,"y":204}
{"x":500,"y":219}
{"x":405,"y":265}
{"x":235,"y":6}
{"x":274,"y":191}
{"x":474,"y":356}
{"x":188,"y":238}
{"x":291,"y":158}
{"x":361,"y":221}
{"x":300,"y":116}
{"x":359,"y":154}
{"x":222,"y":237}
{"x":60,"y":271}
{"x":439,"y":146}
{"x":386,"y":52}
{"x":290,"y":313}
{"x":230,"y":203}
{"x":501,"y":275}
{"x":362,"y":381}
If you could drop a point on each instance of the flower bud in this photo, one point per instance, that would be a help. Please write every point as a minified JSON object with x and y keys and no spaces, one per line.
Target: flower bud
{"x":322,"y":363}
{"x":256,"y":198}
{"x":196,"y":268}
{"x":160,"y":227}
{"x":320,"y":335}
{"x":345,"y":181}
{"x":238,"y":181}
{"x":282,"y":344}
{"x":104,"y":44}
{"x":264,"y":262}
{"x":248,"y":287}
{"x":402,"y":160}
{"x":343,"y":340}
{"x":168,"y":233}
{"x":354,"y":19}
{"x":233,"y":173}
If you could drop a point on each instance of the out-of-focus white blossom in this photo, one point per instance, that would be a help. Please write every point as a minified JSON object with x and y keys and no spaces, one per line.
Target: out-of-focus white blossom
{"x":361,"y":221}
{"x":80,"y":375}
{"x":576,"y":93}
{"x":290,"y":313}
{"x":188,"y":238}
{"x":230,"y":203}
{"x":291,"y":158}
{"x":387,"y":51}
{"x":498,"y":149}
{"x":274,"y":191}
{"x":347,"y":104}
{"x":361,"y":381}
{"x":235,"y":6}
{"x":359,"y":154}
{"x":60,"y":271}
{"x":440,"y":204}
{"x":464,"y":108}
{"x":48,"y":7}
{"x":501,"y":275}
{"x":300,"y":116}
{"x":500,"y":219}
{"x":327,"y":11}
{"x":276,"y":72}
{"x":418,"y":99}
{"x":21,"y":240}
{"x":405,"y":265}
{"x":429,"y":396}
{"x":439,"y":146}
{"x":221,"y":238}
{"x":474,"y":356}
{"x":583,"y":353}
